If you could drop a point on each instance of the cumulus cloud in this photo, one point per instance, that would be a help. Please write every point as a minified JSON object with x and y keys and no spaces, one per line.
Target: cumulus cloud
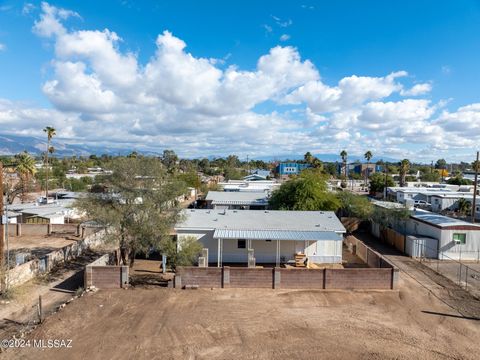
{"x":416,"y":90}
{"x":284,"y":37}
{"x":103,"y":94}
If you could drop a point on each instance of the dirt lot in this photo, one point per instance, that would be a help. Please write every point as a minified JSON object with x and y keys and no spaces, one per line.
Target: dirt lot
{"x":260,"y":324}
{"x":467,"y":275}
{"x":40,"y":244}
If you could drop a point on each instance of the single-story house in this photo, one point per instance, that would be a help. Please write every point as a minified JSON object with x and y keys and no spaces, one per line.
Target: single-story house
{"x":270,"y":237}
{"x":236,"y":200}
{"x":456,"y":239}
{"x":252,"y":186}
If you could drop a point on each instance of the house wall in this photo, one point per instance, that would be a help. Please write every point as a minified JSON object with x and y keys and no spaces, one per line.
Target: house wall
{"x":265,"y":251}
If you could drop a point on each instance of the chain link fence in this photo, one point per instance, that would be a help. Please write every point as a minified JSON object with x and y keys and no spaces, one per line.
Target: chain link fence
{"x":465,"y":273}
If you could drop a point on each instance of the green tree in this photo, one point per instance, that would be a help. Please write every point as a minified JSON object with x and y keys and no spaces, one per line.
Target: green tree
{"x":353,"y":205}
{"x":464,"y":207}
{"x":404,"y":168}
{"x":51,"y":132}
{"x":441,"y":164}
{"x":308,"y":157}
{"x":344,"y":155}
{"x":140,"y":208}
{"x":430,"y":176}
{"x":169,"y":159}
{"x":377,"y":182}
{"x":183,"y":253}
{"x":305,"y":192}
{"x":25,"y":166}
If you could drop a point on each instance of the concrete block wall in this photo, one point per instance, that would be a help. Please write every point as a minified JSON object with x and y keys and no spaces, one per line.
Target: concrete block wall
{"x":279,"y":278}
{"x":251,"y":277}
{"x":200,"y":276}
{"x":106,"y":276}
{"x":301,"y":279}
{"x":361,"y":278}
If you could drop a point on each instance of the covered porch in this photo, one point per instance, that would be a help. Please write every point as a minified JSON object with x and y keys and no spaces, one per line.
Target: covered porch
{"x":274,"y":247}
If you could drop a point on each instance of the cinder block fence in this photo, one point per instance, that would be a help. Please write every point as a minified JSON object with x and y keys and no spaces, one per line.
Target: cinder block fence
{"x":104,"y":276}
{"x":281,"y":278}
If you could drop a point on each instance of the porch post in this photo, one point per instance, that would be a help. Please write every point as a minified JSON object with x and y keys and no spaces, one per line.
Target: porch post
{"x":278,"y":254}
{"x":219,"y":249}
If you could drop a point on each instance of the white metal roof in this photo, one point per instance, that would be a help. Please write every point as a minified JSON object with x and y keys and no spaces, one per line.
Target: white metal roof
{"x":237,"y":198}
{"x":440,"y":220}
{"x":276,"y":235}
{"x":261,"y":220}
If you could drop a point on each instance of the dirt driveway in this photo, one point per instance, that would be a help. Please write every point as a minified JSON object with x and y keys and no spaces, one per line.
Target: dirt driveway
{"x":258,"y":324}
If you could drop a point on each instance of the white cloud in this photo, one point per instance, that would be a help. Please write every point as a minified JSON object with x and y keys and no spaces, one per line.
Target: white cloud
{"x":103,"y":94}
{"x":3,"y":47}
{"x":284,"y":37}
{"x":28,"y":8}
{"x":418,"y":89}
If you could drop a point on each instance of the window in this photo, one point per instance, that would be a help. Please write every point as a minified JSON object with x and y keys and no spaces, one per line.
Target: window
{"x":459,"y":238}
{"x":268,"y":240}
{"x":241,"y":243}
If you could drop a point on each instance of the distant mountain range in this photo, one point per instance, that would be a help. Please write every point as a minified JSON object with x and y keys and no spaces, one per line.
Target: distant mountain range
{"x":13,"y":144}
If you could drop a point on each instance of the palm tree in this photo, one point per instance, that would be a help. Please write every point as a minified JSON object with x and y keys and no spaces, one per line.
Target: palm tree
{"x":344,"y":155}
{"x":404,"y":167}
{"x":50,"y":134}
{"x":308,"y":157}
{"x":25,"y":166}
{"x":368,"y":155}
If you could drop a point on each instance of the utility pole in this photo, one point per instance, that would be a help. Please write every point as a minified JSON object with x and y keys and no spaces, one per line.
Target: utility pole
{"x":474,"y":204}
{"x":2,"y":234}
{"x":385,"y":190}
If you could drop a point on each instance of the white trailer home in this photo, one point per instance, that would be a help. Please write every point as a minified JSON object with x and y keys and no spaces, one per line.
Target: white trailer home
{"x":237,"y":200}
{"x":271,"y":237}
{"x":456,"y":239}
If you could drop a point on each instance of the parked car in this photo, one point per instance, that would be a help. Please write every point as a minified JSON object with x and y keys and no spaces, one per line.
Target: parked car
{"x":421,"y":203}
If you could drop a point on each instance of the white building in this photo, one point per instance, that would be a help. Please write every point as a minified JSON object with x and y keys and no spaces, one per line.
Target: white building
{"x":274,"y":237}
{"x":237,"y":200}
{"x":456,"y":239}
{"x":255,"y":186}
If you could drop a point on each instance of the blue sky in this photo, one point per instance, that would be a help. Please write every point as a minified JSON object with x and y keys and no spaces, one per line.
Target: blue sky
{"x":333,"y":93}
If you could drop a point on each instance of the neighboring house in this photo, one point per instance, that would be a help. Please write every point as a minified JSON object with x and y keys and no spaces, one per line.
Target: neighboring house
{"x":254,"y":177}
{"x":252,"y":186}
{"x":271,"y":237}
{"x":401,"y":195}
{"x":287,"y":169}
{"x":456,"y":239}
{"x":51,"y":212}
{"x":432,"y":235}
{"x":236,"y":200}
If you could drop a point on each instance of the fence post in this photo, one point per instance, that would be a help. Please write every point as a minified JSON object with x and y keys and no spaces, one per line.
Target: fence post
{"x":466,"y":278}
